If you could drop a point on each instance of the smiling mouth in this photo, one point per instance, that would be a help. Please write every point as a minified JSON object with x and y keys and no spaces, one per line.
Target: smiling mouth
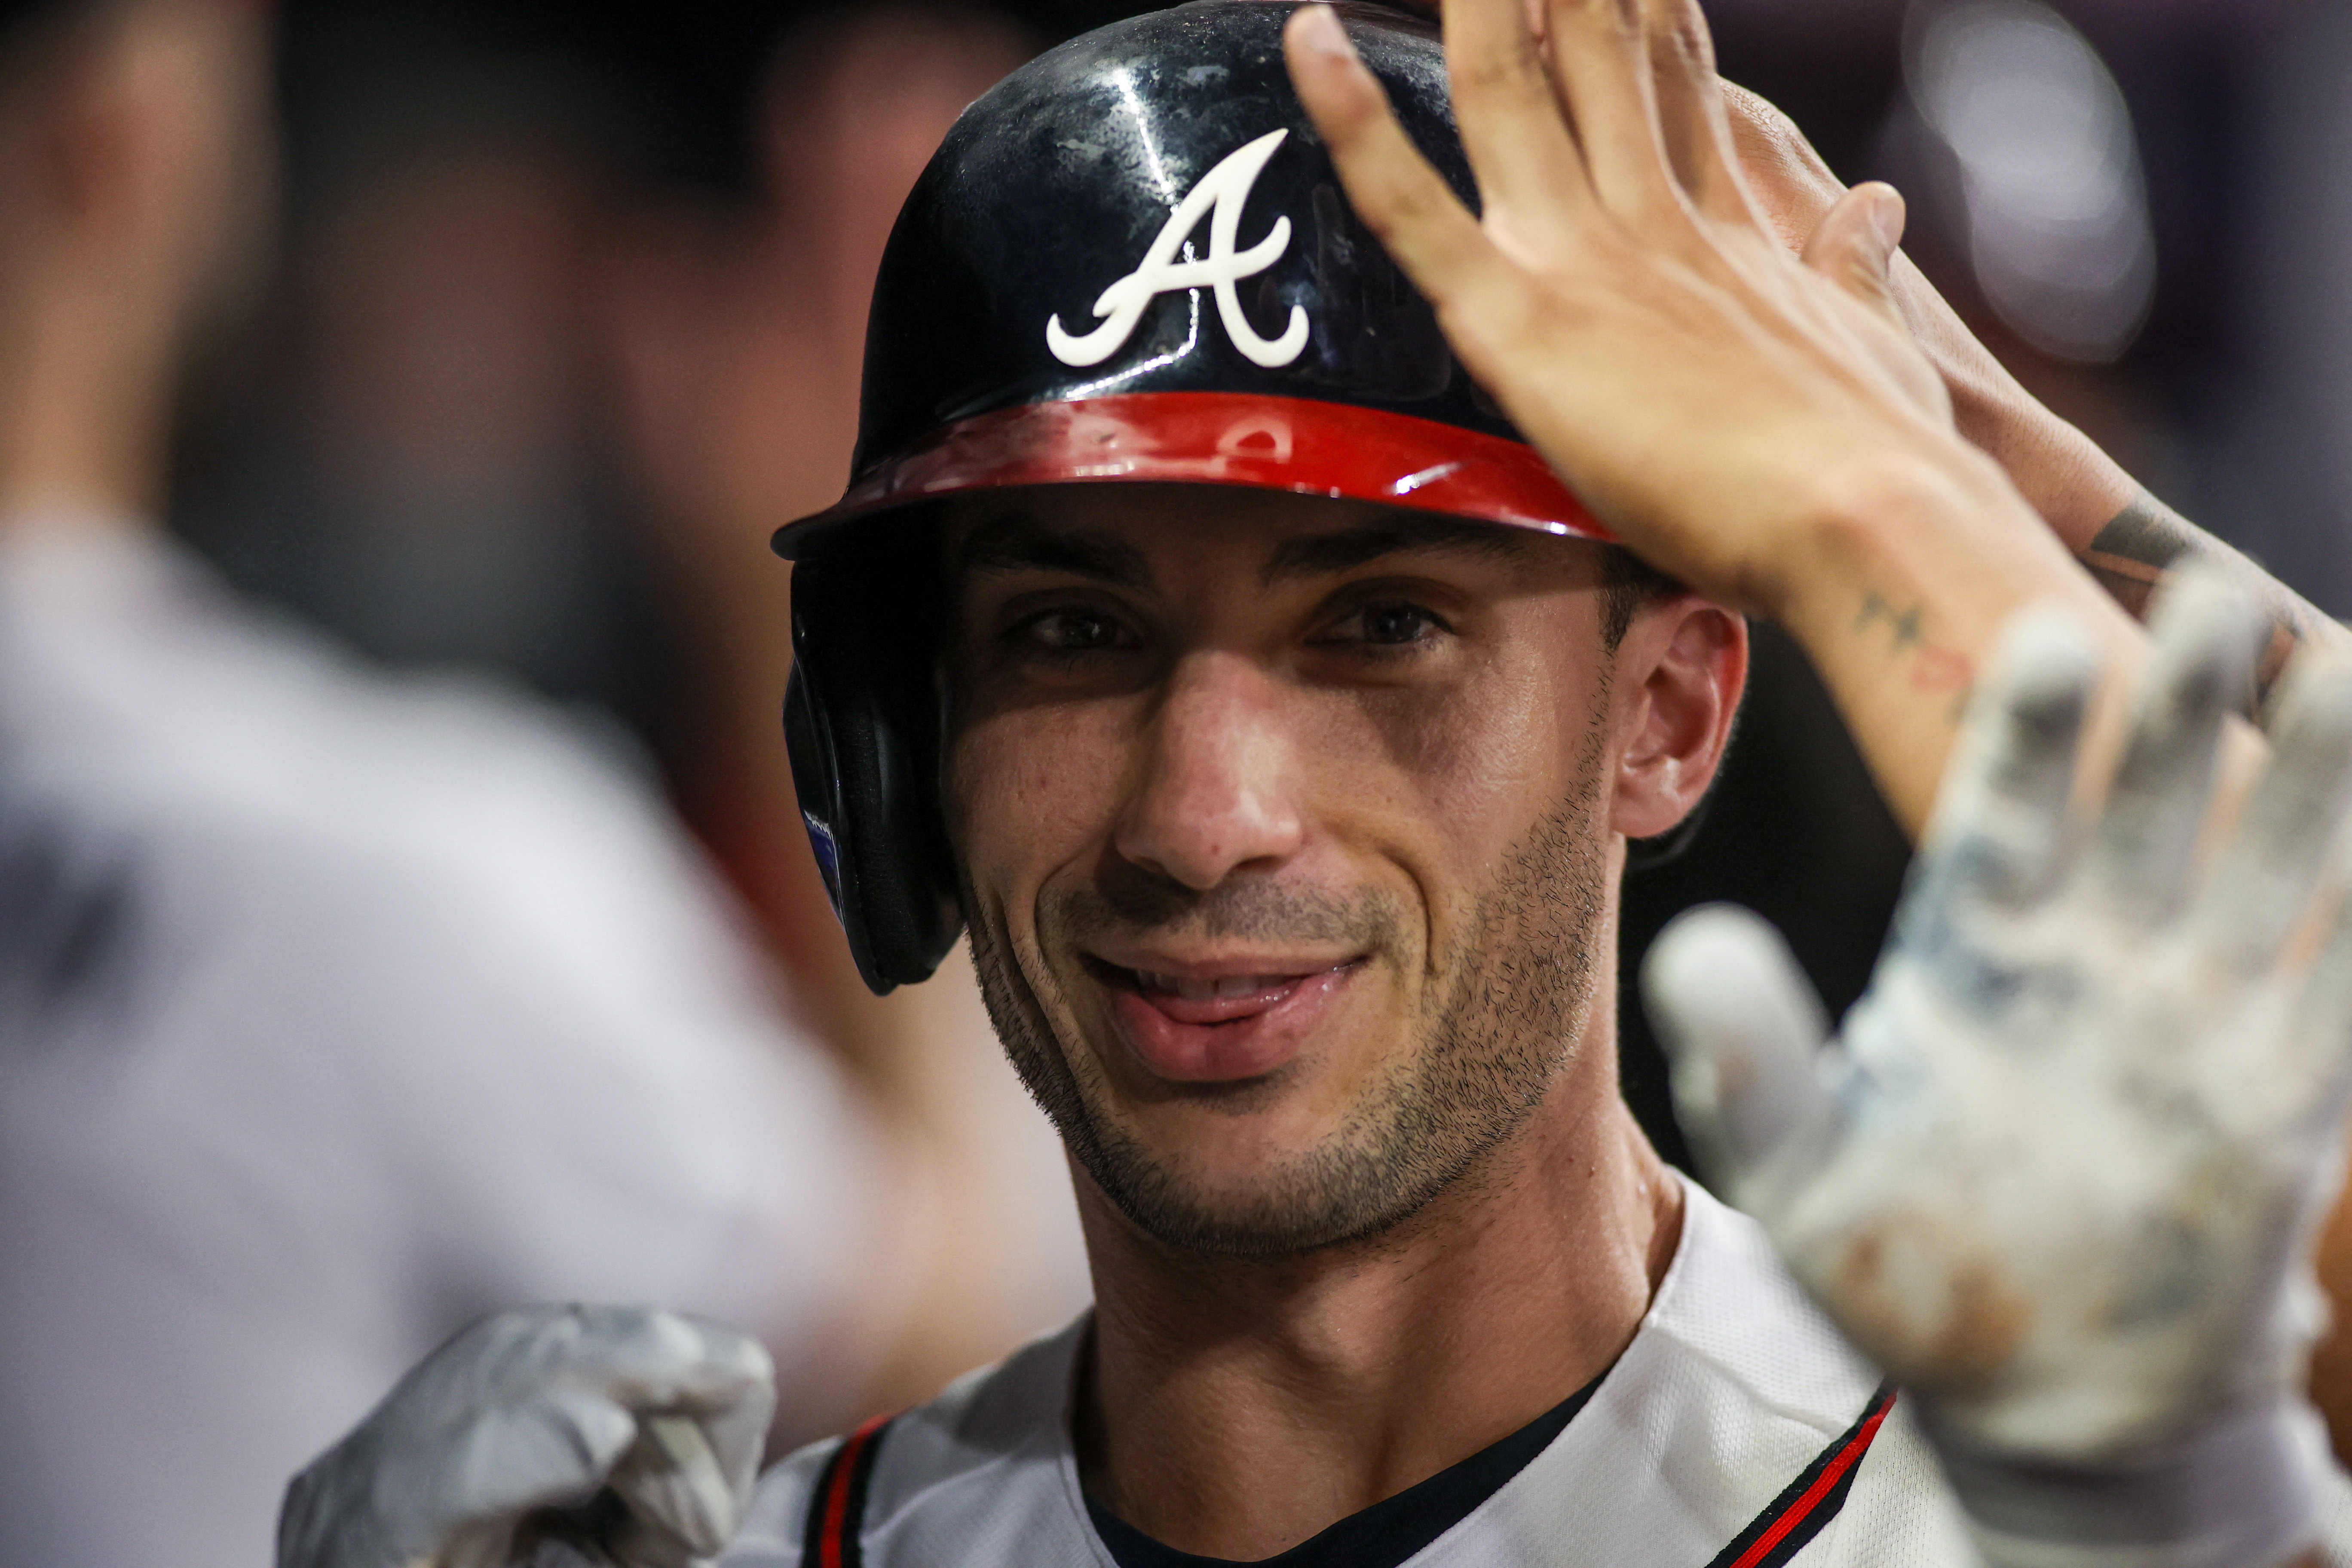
{"x":1225,"y":988}
{"x":1211,"y":1001}
{"x":1219,"y":1028}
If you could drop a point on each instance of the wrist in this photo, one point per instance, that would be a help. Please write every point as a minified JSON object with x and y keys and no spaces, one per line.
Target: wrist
{"x":2241,"y":1494}
{"x":1910,"y":563}
{"x":1900,"y":519}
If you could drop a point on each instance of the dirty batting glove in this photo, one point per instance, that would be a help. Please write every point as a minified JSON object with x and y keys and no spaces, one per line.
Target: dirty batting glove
{"x":553,"y":1438}
{"x":2060,"y":1173}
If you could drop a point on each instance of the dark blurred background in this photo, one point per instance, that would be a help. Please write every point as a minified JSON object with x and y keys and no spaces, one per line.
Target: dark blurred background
{"x":572,"y":295}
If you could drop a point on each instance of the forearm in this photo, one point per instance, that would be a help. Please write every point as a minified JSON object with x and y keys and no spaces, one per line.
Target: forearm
{"x":1914,"y":571}
{"x":2127,"y":538}
{"x":2131,"y":554}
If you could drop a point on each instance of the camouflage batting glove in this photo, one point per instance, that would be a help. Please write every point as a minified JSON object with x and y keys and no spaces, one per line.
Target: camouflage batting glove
{"x":2060,"y":1172}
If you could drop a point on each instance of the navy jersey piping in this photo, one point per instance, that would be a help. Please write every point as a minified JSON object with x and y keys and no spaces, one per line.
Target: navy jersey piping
{"x":1391,"y":1532}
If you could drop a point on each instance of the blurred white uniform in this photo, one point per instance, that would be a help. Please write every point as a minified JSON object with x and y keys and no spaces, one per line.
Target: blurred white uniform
{"x":333,"y":1012}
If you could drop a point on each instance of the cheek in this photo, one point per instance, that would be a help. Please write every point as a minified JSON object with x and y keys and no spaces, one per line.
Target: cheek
{"x":1477,"y":763}
{"x":1028,"y":791}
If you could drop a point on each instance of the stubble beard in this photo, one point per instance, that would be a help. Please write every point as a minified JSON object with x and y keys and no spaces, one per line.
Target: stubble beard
{"x":1521,"y":980}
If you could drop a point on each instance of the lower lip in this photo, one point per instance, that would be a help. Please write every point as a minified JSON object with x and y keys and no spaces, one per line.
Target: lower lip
{"x":1247,"y":1044}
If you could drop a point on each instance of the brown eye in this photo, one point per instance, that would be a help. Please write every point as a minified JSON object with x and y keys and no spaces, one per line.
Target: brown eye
{"x":1074,"y":631}
{"x":1400,"y":624}
{"x":1395,"y":623}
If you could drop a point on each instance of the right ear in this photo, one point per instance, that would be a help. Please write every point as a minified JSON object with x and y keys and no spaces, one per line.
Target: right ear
{"x":1683,"y":666}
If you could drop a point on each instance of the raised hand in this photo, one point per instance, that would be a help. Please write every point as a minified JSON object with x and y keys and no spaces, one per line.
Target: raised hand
{"x":1620,"y":293}
{"x":2059,"y":1173}
{"x":1761,"y":425}
{"x":599,"y":1436}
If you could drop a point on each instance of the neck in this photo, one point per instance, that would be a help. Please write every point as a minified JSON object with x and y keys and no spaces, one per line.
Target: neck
{"x":1234,"y":1407}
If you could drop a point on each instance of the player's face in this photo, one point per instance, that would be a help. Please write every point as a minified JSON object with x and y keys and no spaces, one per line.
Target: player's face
{"x":1286,"y":841}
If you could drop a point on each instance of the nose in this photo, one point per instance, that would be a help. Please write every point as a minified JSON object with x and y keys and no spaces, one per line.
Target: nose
{"x":1216,"y":791}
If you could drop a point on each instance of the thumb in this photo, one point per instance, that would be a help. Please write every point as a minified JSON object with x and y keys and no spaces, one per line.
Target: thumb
{"x":1856,"y":243}
{"x":1742,"y":1027}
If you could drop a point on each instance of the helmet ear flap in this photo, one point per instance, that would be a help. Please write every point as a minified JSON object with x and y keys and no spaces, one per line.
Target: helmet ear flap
{"x":861,"y":723}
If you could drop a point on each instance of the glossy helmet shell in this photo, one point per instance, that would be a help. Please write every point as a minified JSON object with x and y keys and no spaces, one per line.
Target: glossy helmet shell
{"x":1130,"y":261}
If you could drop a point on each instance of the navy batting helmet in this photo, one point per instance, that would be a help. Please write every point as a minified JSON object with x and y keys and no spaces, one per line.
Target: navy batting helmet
{"x":1132,"y":260}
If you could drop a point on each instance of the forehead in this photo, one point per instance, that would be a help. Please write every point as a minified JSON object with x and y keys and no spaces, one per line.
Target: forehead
{"x":1133,"y":534}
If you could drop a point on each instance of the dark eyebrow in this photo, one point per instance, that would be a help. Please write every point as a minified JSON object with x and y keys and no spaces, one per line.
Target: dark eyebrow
{"x":1321,"y":554}
{"x":1014,"y":542}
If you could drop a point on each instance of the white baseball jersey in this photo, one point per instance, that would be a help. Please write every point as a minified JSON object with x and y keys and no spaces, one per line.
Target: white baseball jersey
{"x":1738,"y":1430}
{"x":334,"y":1011}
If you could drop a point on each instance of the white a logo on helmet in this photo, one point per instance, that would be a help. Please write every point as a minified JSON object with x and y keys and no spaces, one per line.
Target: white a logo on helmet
{"x":1222,"y":192}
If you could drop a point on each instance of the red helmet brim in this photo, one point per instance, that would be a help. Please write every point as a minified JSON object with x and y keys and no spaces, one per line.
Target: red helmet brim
{"x":1297,"y":444}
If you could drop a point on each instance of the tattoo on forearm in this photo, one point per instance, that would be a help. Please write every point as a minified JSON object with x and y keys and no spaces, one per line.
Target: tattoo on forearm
{"x":1905,"y":625}
{"x":1934,"y":668}
{"x":2132,"y":555}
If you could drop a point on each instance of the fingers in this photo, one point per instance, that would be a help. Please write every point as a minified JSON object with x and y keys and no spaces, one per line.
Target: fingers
{"x":670,"y":1411}
{"x":1391,"y":186}
{"x":2262,"y":888}
{"x":1855,"y":244}
{"x":1694,"y":113}
{"x":1742,"y":1028}
{"x":704,"y":1395}
{"x":737,"y":1427}
{"x":1529,"y":176}
{"x":1793,"y":189}
{"x":2138,"y":859}
{"x":649,"y":1358}
{"x":649,"y":1363}
{"x":1600,"y":62}
{"x":2302,"y":818}
{"x":1999,"y":834}
{"x":2320,"y":1034}
{"x":673,"y":1480}
{"x":548,"y":1452}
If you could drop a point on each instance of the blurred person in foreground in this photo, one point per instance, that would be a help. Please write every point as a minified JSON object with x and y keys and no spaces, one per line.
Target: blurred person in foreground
{"x":334,"y":1011}
{"x":1287,"y":821}
{"x":739,"y":324}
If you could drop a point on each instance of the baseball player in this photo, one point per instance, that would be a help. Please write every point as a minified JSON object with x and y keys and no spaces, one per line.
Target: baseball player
{"x":1205,"y":630}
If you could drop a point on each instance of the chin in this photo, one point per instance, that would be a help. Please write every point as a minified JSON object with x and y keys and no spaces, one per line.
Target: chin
{"x":1258,"y":1196}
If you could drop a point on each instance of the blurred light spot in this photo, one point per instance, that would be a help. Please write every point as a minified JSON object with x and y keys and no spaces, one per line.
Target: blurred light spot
{"x":2049,"y":169}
